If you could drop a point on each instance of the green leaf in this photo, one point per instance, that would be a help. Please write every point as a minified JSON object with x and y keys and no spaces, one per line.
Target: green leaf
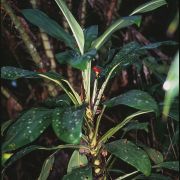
{"x":126,"y":56}
{"x":171,"y":85}
{"x":80,"y":62}
{"x":149,"y":6}
{"x":67,"y":124}
{"x":47,"y":167}
{"x":173,"y":165}
{"x":153,"y":176}
{"x":158,"y":44}
{"x":77,"y":160}
{"x":119,"y":24}
{"x":136,"y":126}
{"x":131,"y":154}
{"x":65,"y":57}
{"x":5,"y":125}
{"x":13,"y":73}
{"x":84,"y":173}
{"x":75,"y":60}
{"x":90,"y":35}
{"x":41,"y":20}
{"x":75,"y":27}
{"x":59,"y":101}
{"x":27,"y":128}
{"x":154,"y":155}
{"x":136,"y":99}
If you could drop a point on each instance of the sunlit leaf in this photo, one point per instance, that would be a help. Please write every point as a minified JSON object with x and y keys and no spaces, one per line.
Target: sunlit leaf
{"x":41,"y":20}
{"x":171,"y":85}
{"x":131,"y":154}
{"x":27,"y":128}
{"x":149,"y":6}
{"x":77,"y":160}
{"x":75,"y":27}
{"x":67,"y":123}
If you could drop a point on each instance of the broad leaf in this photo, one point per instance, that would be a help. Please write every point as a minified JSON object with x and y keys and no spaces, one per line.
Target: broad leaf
{"x":47,"y":167}
{"x":173,"y":165}
{"x":126,"y":56}
{"x":136,"y":99}
{"x":131,"y":154}
{"x":12,"y":73}
{"x":171,"y":85}
{"x":136,"y":126}
{"x":67,"y":124}
{"x":119,"y":24}
{"x":153,"y":176}
{"x":90,"y":35}
{"x":27,"y":128}
{"x":154,"y":155}
{"x":77,"y":160}
{"x":75,"y":60}
{"x":149,"y":6}
{"x":41,"y":20}
{"x":75,"y":27}
{"x":84,"y":173}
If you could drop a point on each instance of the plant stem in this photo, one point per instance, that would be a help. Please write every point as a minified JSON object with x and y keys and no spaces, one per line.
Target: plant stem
{"x":94,"y":91}
{"x":98,"y":122}
{"x":127,"y":175}
{"x":27,"y":41}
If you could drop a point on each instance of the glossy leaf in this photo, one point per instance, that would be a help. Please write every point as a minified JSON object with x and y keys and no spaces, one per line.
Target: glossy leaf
{"x":27,"y":128}
{"x":47,"y":167}
{"x":149,"y":6}
{"x":12,"y":73}
{"x":41,"y":20}
{"x":136,"y":99}
{"x":173,"y":165}
{"x":84,"y":173}
{"x":67,"y":124}
{"x":136,"y":126}
{"x":126,"y":56}
{"x":131,"y":154}
{"x":153,"y":176}
{"x":75,"y":27}
{"x":171,"y":85}
{"x":77,"y":160}
{"x":119,"y":24}
{"x":90,"y":35}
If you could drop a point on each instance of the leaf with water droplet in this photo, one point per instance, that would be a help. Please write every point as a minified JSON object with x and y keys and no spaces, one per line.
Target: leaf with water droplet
{"x":27,"y":128}
{"x":136,"y":99}
{"x":67,"y":123}
{"x":131,"y":154}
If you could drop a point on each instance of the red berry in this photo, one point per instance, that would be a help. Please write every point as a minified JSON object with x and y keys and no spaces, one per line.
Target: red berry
{"x":41,"y":70}
{"x":97,"y":69}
